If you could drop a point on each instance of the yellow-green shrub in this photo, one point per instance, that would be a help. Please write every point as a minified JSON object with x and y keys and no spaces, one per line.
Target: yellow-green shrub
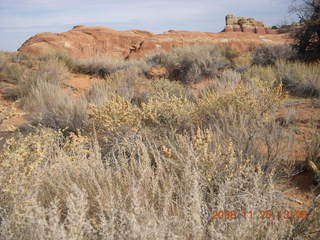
{"x":116,"y":115}
{"x":255,"y":98}
{"x":23,"y":157}
{"x":166,"y":110}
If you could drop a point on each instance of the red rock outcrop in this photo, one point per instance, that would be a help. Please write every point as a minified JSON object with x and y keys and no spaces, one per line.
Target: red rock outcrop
{"x":243,"y":24}
{"x":87,"y":42}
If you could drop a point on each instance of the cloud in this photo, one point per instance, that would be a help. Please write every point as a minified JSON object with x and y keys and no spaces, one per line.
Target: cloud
{"x":29,"y":16}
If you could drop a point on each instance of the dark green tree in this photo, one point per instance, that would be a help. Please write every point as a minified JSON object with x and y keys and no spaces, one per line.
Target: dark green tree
{"x":307,"y":36}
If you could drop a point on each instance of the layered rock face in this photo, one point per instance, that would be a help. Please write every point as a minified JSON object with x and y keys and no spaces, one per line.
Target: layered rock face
{"x":88,"y":42}
{"x":243,"y":24}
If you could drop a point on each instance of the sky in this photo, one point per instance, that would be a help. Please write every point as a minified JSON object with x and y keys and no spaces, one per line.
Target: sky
{"x":21,"y":19}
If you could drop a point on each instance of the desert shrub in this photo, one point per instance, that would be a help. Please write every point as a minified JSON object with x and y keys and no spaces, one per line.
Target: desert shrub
{"x":55,"y":107}
{"x":123,"y":82}
{"x":41,"y":93}
{"x":191,"y":64}
{"x":228,"y":80}
{"x":104,"y":66}
{"x":116,"y":116}
{"x":243,"y":115}
{"x":162,"y":85}
{"x":101,"y":66}
{"x":53,"y":72}
{"x":268,"y":55}
{"x":98,"y":93}
{"x":14,"y":66}
{"x":254,"y":97}
{"x":159,"y":169}
{"x":159,"y":87}
{"x":230,"y":53}
{"x":61,"y":56}
{"x":167,"y":112}
{"x":11,"y":72}
{"x":242,"y":62}
{"x":300,"y":79}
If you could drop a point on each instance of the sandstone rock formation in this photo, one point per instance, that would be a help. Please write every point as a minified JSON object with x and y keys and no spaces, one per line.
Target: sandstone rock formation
{"x":87,"y":42}
{"x":243,"y":24}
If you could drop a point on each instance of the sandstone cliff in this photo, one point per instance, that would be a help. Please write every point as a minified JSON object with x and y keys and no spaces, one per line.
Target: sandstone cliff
{"x":86,"y":42}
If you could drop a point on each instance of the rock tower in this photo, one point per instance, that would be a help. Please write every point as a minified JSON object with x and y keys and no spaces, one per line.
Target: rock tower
{"x":243,"y":24}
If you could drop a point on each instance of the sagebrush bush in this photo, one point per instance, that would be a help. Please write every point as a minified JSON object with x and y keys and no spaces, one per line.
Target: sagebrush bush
{"x":70,"y":62}
{"x":11,"y":72}
{"x":229,"y":79}
{"x":123,"y":82}
{"x":98,"y":93}
{"x":55,"y":107}
{"x":269,"y":54}
{"x":104,"y":66}
{"x":191,"y":64}
{"x":52,"y":71}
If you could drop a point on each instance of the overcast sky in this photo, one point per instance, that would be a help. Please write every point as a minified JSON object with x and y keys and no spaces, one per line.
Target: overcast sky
{"x":21,"y":19}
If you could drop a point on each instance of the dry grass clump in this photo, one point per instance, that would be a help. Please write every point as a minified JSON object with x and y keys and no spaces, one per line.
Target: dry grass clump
{"x":265,"y":73}
{"x":300,"y":79}
{"x":191,"y":64}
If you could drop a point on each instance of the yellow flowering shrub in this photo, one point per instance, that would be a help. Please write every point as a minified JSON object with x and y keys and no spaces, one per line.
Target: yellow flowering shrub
{"x":118,"y":114}
{"x":256,"y":97}
{"x":166,"y":109}
{"x":23,"y":158}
